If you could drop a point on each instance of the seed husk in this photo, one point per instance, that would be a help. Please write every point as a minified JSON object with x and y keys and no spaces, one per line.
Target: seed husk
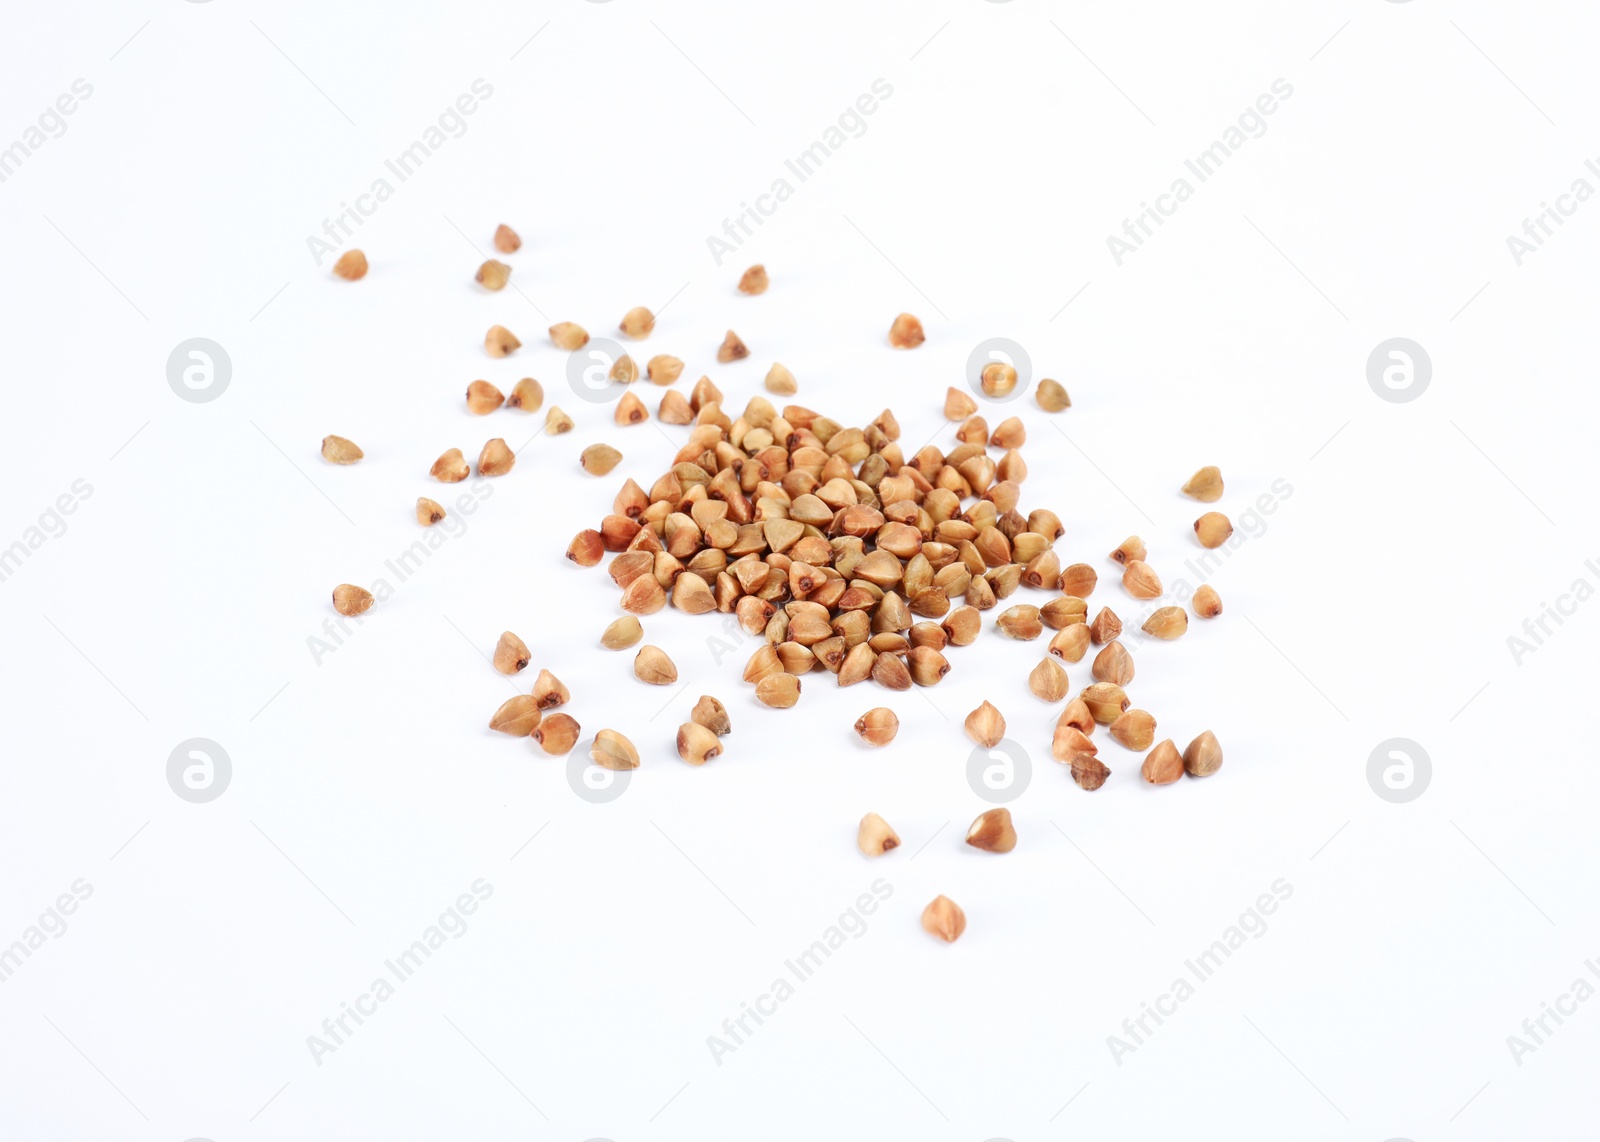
{"x":1134,"y":729}
{"x":1089,"y":771}
{"x":1048,"y":681}
{"x":549,"y":691}
{"x":662,"y":369}
{"x":496,"y":459}
{"x":993,"y":832}
{"x":637,"y":323}
{"x":483,"y":398}
{"x":1071,"y":643}
{"x":500,"y":341}
{"x":517,"y":716}
{"x":878,"y":726}
{"x":711,"y":714}
{"x":958,"y":404}
{"x":998,"y":379}
{"x":1167,"y":623}
{"x":348,"y":599}
{"x":557,"y":734}
{"x":1051,"y":396}
{"x":1203,"y":757}
{"x":652,"y":665}
{"x":874,"y":837}
{"x":506,"y":239}
{"x":732,"y":349}
{"x":1141,"y":581}
{"x":1106,"y":626}
{"x":338,"y":450}
{"x":986,"y":725}
{"x":1130,"y":549}
{"x":630,"y":410}
{"x":1205,"y":485}
{"x":675,"y":409}
{"x":1207,"y":603}
{"x":780,"y":380}
{"x":906,"y":332}
{"x":556,"y":422}
{"x":568,"y":335}
{"x":622,"y":633}
{"x":493,"y":275}
{"x":1163,"y":765}
{"x":1213,"y":529}
{"x":610,"y":750}
{"x":1106,"y":701}
{"x":754,"y":280}
{"x":1077,"y":716}
{"x":889,"y":671}
{"x":697,"y":744}
{"x":599,"y":459}
{"x":779,"y":691}
{"x":1113,"y":664}
{"x":510,"y":654}
{"x":586,"y":548}
{"x":351,"y":266}
{"x":1020,"y":622}
{"x":624,"y":370}
{"x":429,"y":512}
{"x":451,"y":467}
{"x":943,"y":918}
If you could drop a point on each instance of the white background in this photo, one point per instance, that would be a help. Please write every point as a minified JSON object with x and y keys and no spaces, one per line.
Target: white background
{"x":366,"y":791}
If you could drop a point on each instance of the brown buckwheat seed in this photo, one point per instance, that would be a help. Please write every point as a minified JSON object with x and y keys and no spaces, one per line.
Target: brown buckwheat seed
{"x":517,"y":716}
{"x":599,"y":459}
{"x":1207,"y":603}
{"x":556,"y":422}
{"x":451,"y":467}
{"x":493,"y":275}
{"x":549,"y":691}
{"x":1113,"y":664}
{"x":781,"y":381}
{"x":622,"y":633}
{"x":958,"y":404}
{"x":338,"y":450}
{"x":506,"y":239}
{"x":1213,"y":529}
{"x":874,"y":837}
{"x":906,"y":332}
{"x":754,"y":280}
{"x":557,"y":734}
{"x":496,"y":459}
{"x":1048,"y":681}
{"x":1106,"y":701}
{"x":1163,"y":765}
{"x":1089,"y":771}
{"x":429,"y":512}
{"x":348,"y":599}
{"x":662,"y":369}
{"x":1205,"y":485}
{"x":711,"y":714}
{"x":1204,"y":756}
{"x":1106,"y":626}
{"x":780,"y":691}
{"x":1071,"y":643}
{"x":1131,"y":548}
{"x":483,"y":398}
{"x":586,"y":548}
{"x":568,"y":335}
{"x":351,"y":266}
{"x":1140,"y":581}
{"x":610,"y":750}
{"x":510,"y":654}
{"x":1051,"y":396}
{"x":1134,"y":729}
{"x":500,"y":341}
{"x":637,"y":323}
{"x":652,"y":665}
{"x":998,"y":379}
{"x":1020,"y":622}
{"x":1167,"y":623}
{"x":993,"y":832}
{"x":696,"y":744}
{"x":732,"y":349}
{"x":943,"y":918}
{"x":986,"y":726}
{"x":630,"y":410}
{"x":878,"y":726}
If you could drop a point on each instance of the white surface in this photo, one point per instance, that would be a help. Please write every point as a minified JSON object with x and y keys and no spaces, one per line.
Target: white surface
{"x":367,"y":794}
